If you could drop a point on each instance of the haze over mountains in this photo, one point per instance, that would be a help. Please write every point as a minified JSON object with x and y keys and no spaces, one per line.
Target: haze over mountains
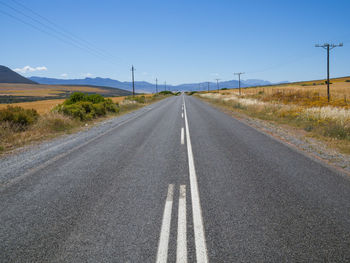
{"x":9,"y":76}
{"x":143,"y":86}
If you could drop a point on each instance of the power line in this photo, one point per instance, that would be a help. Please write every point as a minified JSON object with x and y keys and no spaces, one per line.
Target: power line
{"x":62,"y":30}
{"x":328,"y":47}
{"x":49,"y":30}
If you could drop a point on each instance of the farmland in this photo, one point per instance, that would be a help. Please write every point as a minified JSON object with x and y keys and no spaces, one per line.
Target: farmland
{"x":50,"y":124}
{"x":339,"y":89}
{"x":12,"y":93}
{"x":302,"y":105}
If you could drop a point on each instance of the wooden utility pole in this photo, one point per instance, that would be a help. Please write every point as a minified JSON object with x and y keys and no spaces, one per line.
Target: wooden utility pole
{"x":156,"y":85}
{"x":239,"y":81}
{"x":133,"y":82}
{"x":217,"y":84}
{"x":328,"y":47}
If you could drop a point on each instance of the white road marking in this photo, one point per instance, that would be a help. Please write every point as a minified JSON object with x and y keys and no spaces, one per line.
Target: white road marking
{"x":181,"y":251}
{"x":162,"y":254}
{"x":201,"y":248}
{"x":182,"y":115}
{"x":182,"y":136}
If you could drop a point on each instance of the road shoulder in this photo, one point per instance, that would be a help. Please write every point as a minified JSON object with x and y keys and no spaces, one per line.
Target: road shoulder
{"x":293,"y":138}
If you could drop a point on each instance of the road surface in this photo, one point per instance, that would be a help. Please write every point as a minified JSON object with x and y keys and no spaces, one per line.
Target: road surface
{"x":177,"y":181}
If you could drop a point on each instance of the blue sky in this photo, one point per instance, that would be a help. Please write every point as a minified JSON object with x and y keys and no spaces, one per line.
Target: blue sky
{"x":175,"y":41}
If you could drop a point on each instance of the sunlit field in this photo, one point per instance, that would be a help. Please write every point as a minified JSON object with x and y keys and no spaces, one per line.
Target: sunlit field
{"x":302,"y":105}
{"x":44,"y":90}
{"x":308,"y":93}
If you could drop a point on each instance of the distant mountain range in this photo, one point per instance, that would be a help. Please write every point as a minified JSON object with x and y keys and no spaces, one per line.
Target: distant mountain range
{"x":9,"y":76}
{"x":146,"y":87}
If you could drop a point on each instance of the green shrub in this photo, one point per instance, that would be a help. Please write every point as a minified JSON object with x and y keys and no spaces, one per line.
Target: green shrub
{"x":75,"y":97}
{"x":74,"y":110}
{"x":86,"y":107}
{"x":79,"y":96}
{"x":18,"y":116}
{"x":99,"y":109}
{"x":165,"y":92}
{"x":111,"y":106}
{"x":95,"y":98}
{"x":140,"y":99}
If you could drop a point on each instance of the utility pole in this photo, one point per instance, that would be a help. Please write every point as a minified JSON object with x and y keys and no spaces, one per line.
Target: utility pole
{"x":328,"y":47}
{"x":208,"y":86}
{"x":156,"y":85}
{"x":133,"y":82}
{"x":239,"y":81}
{"x":217,"y":84}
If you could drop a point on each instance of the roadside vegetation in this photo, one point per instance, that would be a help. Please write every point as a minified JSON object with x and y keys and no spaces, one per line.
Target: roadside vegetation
{"x":20,"y":126}
{"x":302,"y":106}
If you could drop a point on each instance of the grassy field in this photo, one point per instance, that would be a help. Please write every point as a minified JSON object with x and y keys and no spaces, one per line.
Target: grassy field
{"x":41,"y":106}
{"x":53,"y":123}
{"x":339,"y":89}
{"x":11,"y":93}
{"x":45,"y":106}
{"x":301,"y":105}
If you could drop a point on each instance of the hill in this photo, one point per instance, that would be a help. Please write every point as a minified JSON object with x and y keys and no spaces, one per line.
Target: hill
{"x":146,"y":87}
{"x":9,"y":76}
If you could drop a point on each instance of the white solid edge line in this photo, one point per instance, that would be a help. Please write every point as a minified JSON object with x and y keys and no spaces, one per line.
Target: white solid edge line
{"x":162,"y":253}
{"x":182,"y":136}
{"x":201,"y":248}
{"x":181,"y":250}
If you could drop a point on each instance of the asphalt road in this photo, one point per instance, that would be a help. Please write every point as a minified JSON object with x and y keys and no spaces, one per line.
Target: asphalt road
{"x":175,"y":181}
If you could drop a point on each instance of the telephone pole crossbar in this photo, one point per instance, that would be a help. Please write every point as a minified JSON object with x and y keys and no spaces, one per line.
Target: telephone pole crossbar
{"x":328,"y":47}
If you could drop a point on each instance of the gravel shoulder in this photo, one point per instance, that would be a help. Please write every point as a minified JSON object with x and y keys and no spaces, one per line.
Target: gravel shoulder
{"x":32,"y":157}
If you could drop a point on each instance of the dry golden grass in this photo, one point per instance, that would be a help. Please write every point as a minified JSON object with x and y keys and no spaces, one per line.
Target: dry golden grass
{"x":52,"y":124}
{"x":339,"y":89}
{"x":45,"y":106}
{"x":294,"y":106}
{"x":41,"y":106}
{"x":44,"y":90}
